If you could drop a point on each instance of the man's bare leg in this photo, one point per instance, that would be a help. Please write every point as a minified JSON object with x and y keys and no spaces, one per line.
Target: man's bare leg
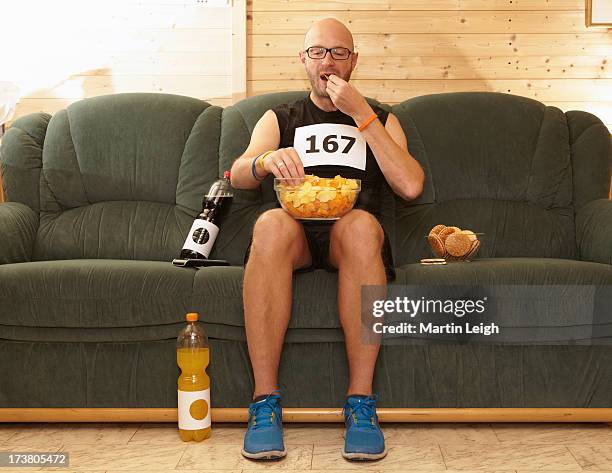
{"x":355,"y":249}
{"x":279,"y":246}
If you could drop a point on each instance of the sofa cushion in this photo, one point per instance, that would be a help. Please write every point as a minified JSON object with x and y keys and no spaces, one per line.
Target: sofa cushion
{"x":477,"y":147}
{"x":114,"y":300}
{"x":153,"y":148}
{"x":510,"y":228}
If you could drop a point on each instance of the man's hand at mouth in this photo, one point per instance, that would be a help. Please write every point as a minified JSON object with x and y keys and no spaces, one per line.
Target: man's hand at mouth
{"x":347,"y":99}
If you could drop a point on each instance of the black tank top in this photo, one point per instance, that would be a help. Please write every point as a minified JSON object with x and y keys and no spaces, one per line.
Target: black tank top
{"x":304,"y":112}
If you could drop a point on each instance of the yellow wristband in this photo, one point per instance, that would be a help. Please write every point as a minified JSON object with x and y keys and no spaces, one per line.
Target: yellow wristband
{"x":262,"y":157}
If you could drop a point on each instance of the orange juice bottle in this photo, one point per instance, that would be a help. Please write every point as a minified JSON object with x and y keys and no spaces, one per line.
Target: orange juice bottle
{"x":192,"y":356}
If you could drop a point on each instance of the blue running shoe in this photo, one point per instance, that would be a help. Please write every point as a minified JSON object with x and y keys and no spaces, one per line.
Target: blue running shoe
{"x":363,"y":439}
{"x":263,"y":439}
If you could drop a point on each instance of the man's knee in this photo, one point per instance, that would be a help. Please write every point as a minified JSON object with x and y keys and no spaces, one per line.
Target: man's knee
{"x":357,"y":233}
{"x":276,"y":232}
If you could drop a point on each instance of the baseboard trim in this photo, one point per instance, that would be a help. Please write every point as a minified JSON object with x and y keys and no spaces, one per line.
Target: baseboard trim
{"x":312,"y":415}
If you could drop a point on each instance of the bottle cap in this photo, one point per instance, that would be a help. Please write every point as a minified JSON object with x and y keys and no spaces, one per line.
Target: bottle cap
{"x":191,"y":317}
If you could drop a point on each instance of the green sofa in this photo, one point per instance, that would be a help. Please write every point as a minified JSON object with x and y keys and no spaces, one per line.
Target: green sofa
{"x":101,"y":195}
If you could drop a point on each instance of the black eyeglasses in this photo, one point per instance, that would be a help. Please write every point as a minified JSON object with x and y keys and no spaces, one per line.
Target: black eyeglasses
{"x":318,"y":52}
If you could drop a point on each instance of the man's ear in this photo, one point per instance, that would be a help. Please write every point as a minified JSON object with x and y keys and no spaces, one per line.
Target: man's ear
{"x":354,"y":57}
{"x":302,"y":56}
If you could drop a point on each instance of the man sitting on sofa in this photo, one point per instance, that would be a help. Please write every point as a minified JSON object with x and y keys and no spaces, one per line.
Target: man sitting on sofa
{"x":355,"y":245}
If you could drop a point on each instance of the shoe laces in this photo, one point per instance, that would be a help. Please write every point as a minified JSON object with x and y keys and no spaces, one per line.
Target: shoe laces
{"x":263,"y":413}
{"x":362,"y":411}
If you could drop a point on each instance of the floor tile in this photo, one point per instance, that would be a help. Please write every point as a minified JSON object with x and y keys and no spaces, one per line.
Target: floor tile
{"x":175,"y":471}
{"x":202,"y":456}
{"x":447,"y":433}
{"x":123,"y":457}
{"x":398,"y":458}
{"x":593,"y":457}
{"x":167,"y":433}
{"x":7,"y":431}
{"x":316,"y":434}
{"x":508,"y":457}
{"x":554,"y":433}
{"x":40,"y":435}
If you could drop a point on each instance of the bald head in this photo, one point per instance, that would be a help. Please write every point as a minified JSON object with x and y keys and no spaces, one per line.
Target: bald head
{"x":330,"y":33}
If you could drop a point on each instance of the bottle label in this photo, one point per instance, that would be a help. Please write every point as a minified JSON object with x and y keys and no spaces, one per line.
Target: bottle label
{"x":194,"y":409}
{"x":201,"y":237}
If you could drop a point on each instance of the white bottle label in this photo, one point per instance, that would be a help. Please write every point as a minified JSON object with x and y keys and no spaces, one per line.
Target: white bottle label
{"x":204,"y":231}
{"x":194,"y":409}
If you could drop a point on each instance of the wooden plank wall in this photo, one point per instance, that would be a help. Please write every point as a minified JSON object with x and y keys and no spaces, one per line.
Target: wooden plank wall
{"x":535,"y":48}
{"x":170,"y":46}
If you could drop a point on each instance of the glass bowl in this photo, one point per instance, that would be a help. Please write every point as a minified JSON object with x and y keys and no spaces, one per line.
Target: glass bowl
{"x":317,"y":198}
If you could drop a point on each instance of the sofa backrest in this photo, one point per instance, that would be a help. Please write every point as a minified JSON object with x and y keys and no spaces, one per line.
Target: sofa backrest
{"x":494,"y":163}
{"x":122,"y":176}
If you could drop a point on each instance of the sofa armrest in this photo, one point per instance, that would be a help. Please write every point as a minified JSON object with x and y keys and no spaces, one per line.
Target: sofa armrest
{"x":18,"y":227}
{"x":594,"y":231}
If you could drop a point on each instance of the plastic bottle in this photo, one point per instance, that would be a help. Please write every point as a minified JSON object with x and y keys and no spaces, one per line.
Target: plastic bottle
{"x":193,"y":356}
{"x":205,"y":228}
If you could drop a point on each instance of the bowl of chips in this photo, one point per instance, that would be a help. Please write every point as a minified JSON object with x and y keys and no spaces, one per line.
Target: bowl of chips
{"x":317,"y":198}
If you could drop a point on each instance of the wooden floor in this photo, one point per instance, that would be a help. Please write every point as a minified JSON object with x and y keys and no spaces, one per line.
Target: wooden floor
{"x":416,"y":447}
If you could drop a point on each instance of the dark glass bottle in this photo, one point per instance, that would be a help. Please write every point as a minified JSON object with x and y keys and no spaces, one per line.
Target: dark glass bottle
{"x":205,"y":228}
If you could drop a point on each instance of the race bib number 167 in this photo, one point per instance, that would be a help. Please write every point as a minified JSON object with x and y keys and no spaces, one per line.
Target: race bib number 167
{"x":330,"y":143}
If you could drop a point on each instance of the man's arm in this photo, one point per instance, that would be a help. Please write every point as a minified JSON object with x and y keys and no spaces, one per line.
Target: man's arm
{"x":265,"y":137}
{"x":283,"y":162}
{"x":390,"y":147}
{"x":388,"y":143}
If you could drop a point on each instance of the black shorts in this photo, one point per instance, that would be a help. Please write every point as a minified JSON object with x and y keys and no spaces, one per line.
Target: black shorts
{"x":317,"y":237}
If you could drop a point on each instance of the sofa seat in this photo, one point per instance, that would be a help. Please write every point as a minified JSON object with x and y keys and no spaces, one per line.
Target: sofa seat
{"x":43,"y":335}
{"x":525,"y":271}
{"x":93,"y":300}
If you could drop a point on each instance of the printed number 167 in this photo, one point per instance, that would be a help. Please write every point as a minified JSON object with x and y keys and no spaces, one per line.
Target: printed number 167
{"x":330,"y":145}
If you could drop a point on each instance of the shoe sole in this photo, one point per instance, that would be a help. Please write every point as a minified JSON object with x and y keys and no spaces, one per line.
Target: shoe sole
{"x":364,"y":457}
{"x":270,"y":455}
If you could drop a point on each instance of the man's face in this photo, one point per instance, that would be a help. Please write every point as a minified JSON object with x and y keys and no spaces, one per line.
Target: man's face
{"x":315,"y":68}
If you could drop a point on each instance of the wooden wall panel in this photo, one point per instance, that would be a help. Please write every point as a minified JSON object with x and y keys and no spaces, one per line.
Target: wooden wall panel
{"x":160,"y":46}
{"x":509,"y":45}
{"x":445,"y":67}
{"x":534,"y":48}
{"x":279,"y":22}
{"x":413,"y":5}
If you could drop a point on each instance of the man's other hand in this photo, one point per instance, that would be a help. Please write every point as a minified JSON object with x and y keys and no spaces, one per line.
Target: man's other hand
{"x":348,"y":99}
{"x":285,"y":162}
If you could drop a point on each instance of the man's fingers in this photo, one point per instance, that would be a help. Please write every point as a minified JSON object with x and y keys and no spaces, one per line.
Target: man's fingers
{"x":292,"y":170}
{"x":297,"y":161}
{"x":279,"y":165}
{"x":334,"y":79}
